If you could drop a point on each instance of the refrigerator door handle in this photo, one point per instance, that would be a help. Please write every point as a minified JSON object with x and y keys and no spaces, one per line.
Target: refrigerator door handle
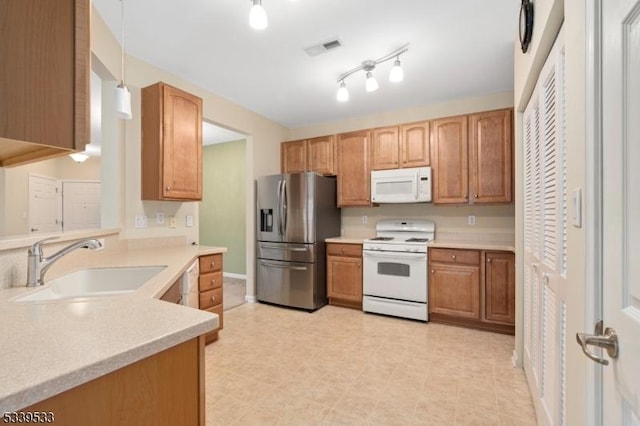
{"x":277,"y":265}
{"x":285,"y":248}
{"x":280,"y":183}
{"x":284,"y":207}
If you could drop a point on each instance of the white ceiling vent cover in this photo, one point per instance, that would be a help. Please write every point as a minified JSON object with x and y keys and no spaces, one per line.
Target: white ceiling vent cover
{"x":323,"y":47}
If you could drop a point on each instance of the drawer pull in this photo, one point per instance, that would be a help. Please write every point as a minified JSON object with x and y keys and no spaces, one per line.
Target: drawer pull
{"x":213,"y":298}
{"x":453,"y":257}
{"x":213,"y":263}
{"x":213,"y":281}
{"x":343,"y":251}
{"x":475,"y":195}
{"x":488,"y":260}
{"x":433,"y":271}
{"x":168,"y":188}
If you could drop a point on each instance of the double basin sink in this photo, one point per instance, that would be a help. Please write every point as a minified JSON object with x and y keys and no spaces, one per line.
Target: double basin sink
{"x":93,"y":282}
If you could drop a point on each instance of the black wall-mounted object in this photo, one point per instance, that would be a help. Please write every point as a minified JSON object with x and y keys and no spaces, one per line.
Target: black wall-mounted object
{"x":526,"y":24}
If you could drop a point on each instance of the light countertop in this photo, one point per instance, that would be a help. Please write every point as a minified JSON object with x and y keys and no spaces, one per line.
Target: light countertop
{"x":345,"y":240}
{"x":49,"y":347}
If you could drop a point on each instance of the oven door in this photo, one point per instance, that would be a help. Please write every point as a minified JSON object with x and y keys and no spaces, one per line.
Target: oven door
{"x":395,"y":275}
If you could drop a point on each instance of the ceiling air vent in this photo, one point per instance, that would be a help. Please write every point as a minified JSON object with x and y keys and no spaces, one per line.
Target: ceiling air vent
{"x":323,"y":47}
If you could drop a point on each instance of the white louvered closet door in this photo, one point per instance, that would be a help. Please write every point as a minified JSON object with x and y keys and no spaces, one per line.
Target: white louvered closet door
{"x":545,"y":221}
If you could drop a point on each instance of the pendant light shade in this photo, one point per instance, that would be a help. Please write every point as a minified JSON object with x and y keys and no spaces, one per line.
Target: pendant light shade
{"x":396,"y":75}
{"x":343,"y":93}
{"x":123,"y":102}
{"x":258,"y":16}
{"x":122,"y":94}
{"x":371,"y":84}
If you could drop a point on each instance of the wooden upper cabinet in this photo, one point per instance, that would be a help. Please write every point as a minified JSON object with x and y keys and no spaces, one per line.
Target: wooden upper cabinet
{"x":44,"y":79}
{"x":321,"y":155}
{"x":490,"y":160}
{"x":385,"y":150}
{"x":171,"y":144}
{"x":354,"y":169}
{"x":449,"y":159}
{"x":293,"y":156}
{"x":414,"y":145}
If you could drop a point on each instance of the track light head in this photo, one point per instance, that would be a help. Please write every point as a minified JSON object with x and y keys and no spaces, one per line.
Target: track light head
{"x":371,"y":84}
{"x":258,"y":16}
{"x":396,"y":75}
{"x":343,"y":93}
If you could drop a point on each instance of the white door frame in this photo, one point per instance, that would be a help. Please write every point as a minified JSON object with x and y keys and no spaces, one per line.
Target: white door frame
{"x":593,"y":202}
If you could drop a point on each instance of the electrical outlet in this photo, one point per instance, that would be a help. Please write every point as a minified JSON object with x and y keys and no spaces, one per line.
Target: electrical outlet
{"x":364,"y":218}
{"x":160,"y":218}
{"x":472,"y":220}
{"x":141,"y":221}
{"x":172,"y":222}
{"x":189,"y":221}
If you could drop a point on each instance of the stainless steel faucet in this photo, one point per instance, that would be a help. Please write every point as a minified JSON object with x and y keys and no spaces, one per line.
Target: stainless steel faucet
{"x":38,"y":264}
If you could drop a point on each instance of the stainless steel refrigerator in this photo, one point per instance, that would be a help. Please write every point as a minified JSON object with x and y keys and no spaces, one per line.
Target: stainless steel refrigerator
{"x":296,"y":212}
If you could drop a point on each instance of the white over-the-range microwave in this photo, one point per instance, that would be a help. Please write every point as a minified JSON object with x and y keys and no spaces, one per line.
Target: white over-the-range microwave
{"x":412,"y":185}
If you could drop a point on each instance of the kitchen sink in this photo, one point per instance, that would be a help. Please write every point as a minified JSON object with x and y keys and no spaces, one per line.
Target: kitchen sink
{"x":93,"y":282}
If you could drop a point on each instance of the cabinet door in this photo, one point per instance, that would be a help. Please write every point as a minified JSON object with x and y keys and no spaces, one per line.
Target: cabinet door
{"x":344,"y":278}
{"x":491,"y":158}
{"x":293,"y":156}
{"x":414,"y":145}
{"x":44,"y":79}
{"x":321,"y":155}
{"x":455,"y":290}
{"x":182,"y":147}
{"x":385,"y":148}
{"x":354,"y":170}
{"x":449,"y":157}
{"x":500,"y":298}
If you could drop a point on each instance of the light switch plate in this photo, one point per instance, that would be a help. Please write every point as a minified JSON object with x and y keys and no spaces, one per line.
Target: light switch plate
{"x":471,"y":220}
{"x":189,"y":221}
{"x":160,"y":218}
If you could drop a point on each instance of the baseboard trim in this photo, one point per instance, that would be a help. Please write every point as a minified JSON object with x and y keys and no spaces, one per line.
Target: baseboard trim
{"x":232,"y":275}
{"x":251,"y":299}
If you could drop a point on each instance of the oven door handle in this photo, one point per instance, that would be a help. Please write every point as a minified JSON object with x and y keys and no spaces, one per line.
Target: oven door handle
{"x":395,"y":255}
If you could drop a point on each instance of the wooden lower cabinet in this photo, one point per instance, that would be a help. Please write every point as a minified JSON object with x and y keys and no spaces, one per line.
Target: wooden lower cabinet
{"x":210,"y":288}
{"x":344,"y":275}
{"x":164,"y":389}
{"x":472,"y":288}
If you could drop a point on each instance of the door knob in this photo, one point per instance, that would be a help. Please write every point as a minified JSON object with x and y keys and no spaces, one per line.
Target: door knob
{"x":607,"y":341}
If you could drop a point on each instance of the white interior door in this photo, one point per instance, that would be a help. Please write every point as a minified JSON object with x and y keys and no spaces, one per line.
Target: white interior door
{"x":81,"y":205}
{"x":45,"y":208}
{"x":621,"y":207}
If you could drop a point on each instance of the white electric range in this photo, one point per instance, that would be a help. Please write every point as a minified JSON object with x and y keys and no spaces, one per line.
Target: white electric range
{"x":395,"y":269}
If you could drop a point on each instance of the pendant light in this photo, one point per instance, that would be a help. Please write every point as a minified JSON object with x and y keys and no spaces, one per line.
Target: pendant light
{"x":258,"y":16}
{"x":122,"y":95}
{"x":343,"y":93}
{"x":396,"y":75}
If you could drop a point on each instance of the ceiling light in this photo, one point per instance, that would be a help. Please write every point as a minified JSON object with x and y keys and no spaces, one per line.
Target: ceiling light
{"x":258,"y":16}
{"x":122,"y":95}
{"x":368,"y":66}
{"x":396,"y":75}
{"x":79,"y":157}
{"x":371,"y":84}
{"x":343,"y":93}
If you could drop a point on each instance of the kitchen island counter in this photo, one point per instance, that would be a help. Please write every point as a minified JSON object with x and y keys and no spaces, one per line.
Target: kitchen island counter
{"x":49,"y":347}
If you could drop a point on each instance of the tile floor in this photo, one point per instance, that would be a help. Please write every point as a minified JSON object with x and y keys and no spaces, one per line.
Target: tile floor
{"x":337,"y":366}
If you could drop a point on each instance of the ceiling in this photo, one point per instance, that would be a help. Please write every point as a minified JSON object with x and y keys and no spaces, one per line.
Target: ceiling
{"x":458,"y":49}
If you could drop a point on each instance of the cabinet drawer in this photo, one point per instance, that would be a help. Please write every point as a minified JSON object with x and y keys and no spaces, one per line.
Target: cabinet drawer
{"x":210,"y":263}
{"x":217,"y":309}
{"x":466,"y":257}
{"x":210,"y":281}
{"x":353,"y":250}
{"x":210,"y":298}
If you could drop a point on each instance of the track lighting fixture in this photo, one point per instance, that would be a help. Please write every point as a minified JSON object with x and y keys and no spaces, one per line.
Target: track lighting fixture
{"x":122,"y":95}
{"x":371,"y":84}
{"x":258,"y":16}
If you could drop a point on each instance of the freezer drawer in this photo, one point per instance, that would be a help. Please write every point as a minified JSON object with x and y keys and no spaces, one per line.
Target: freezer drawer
{"x":292,"y":284}
{"x":287,"y":251}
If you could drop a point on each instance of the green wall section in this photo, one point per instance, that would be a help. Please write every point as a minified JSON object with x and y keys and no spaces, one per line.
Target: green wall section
{"x":223,"y":207}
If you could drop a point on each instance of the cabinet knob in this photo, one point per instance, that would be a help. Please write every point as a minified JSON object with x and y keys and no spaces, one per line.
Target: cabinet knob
{"x":168,"y":188}
{"x":453,"y":257}
{"x":213,"y":298}
{"x":433,"y":271}
{"x":343,"y":251}
{"x":475,"y":195}
{"x":488,"y":260}
{"x":213,"y":281}
{"x":213,"y":263}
